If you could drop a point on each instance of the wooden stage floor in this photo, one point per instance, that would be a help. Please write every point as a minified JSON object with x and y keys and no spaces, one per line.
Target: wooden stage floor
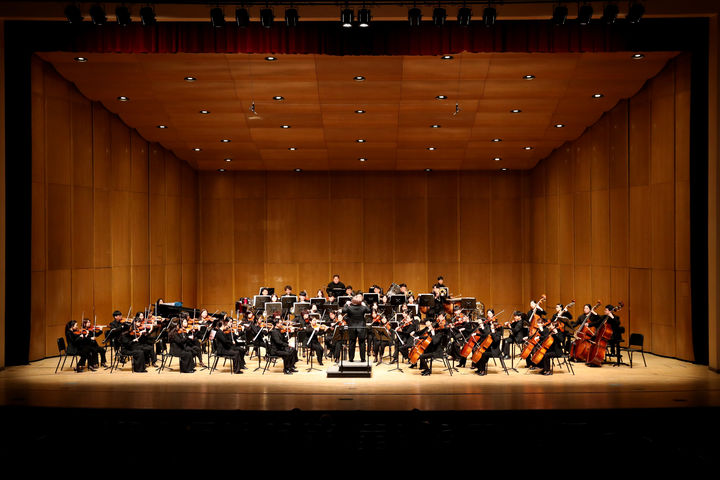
{"x":665,"y":383}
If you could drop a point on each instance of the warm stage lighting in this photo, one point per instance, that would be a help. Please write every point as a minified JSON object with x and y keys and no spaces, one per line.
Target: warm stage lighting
{"x":464,"y":16}
{"x":147,"y":16}
{"x":560,"y":15}
{"x":489,"y":16}
{"x":364,"y":17}
{"x":585,"y":13}
{"x":97,"y":14}
{"x":346,"y":17}
{"x":635,"y":13}
{"x":610,"y":14}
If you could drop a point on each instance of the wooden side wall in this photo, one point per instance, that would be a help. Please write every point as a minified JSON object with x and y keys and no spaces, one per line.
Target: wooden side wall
{"x":113,"y":217}
{"x":273,"y":229}
{"x":610,"y":215}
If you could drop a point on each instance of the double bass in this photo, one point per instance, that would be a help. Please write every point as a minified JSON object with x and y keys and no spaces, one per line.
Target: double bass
{"x":596,"y":355}
{"x":583,"y":337}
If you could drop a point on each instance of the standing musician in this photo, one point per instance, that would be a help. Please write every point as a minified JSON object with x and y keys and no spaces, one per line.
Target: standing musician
{"x":437,"y":306}
{"x":279,"y":346}
{"x":97,"y":350}
{"x":354,"y":315}
{"x":492,"y":329}
{"x":336,"y":284}
{"x":181,"y":345}
{"x":313,"y":330}
{"x":288,"y":291}
{"x":224,"y":345}
{"x":78,"y":343}
{"x":404,"y":290}
{"x":440,"y":284}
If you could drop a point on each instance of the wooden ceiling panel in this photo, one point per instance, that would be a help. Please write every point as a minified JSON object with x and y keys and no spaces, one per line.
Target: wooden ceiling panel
{"x":320,"y":97}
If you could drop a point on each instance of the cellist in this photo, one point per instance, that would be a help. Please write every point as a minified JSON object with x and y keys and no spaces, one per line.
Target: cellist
{"x":555,"y":349}
{"x":493,"y":350}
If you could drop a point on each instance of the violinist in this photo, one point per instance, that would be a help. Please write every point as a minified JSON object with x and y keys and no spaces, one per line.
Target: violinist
{"x":96,"y":349}
{"x":354,"y":313}
{"x":116,"y":328}
{"x":78,"y":343}
{"x":555,"y":349}
{"x":518,"y":331}
{"x":194,"y":331}
{"x":224,"y":345}
{"x":492,"y":329}
{"x":405,"y":335}
{"x":381,"y":343}
{"x":181,"y":345}
{"x":279,"y":346}
{"x":313,"y":331}
{"x":130,"y":345}
{"x":336,"y":321}
{"x":142,"y":339}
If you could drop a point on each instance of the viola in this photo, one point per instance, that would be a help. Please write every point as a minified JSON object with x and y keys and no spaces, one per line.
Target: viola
{"x":596,"y":355}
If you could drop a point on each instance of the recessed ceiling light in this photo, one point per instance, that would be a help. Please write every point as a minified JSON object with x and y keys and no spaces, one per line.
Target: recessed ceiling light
{"x":270,"y":58}
{"x":284,"y":126}
{"x":298,"y":169}
{"x":515,"y":110}
{"x":431,"y":148}
{"x":362,"y":159}
{"x":559,"y":125}
{"x":226,"y":140}
{"x":197,"y":149}
{"x":190,"y":79}
{"x":221,"y":169}
{"x":162,"y":126}
{"x":435,"y":126}
{"x":359,"y":111}
{"x":504,"y":169}
{"x":428,"y":169}
{"x":228,"y":159}
{"x":497,"y":159}
{"x":447,"y":57}
{"x":598,"y":95}
{"x":292,"y":149}
{"x":360,"y":140}
{"x":123,"y":98}
{"x":205,"y":112}
{"x":497,"y":139}
{"x":441,"y":97}
{"x":529,"y":77}
{"x":278,"y":97}
{"x":527,"y":148}
{"x":638,"y":55}
{"x":359,"y":78}
{"x":80,"y":59}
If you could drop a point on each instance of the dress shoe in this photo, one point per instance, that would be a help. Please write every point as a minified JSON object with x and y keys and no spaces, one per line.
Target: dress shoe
{"x":104,"y":365}
{"x":92,"y":368}
{"x":320,"y":363}
{"x":545,"y":372}
{"x":481,"y":372}
{"x":425,"y":373}
{"x":287,"y":372}
{"x":79,"y":369}
{"x":414,"y":365}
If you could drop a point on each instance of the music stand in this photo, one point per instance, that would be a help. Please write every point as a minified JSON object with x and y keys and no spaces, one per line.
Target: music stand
{"x":426,"y":299}
{"x":397,"y":300}
{"x":287,"y":302}
{"x":259,"y":301}
{"x":371,"y":298}
{"x":467,"y":303}
{"x":386,"y":310}
{"x":298,"y":308}
{"x":271,"y":308}
{"x":337,"y":292}
{"x":342,"y":300}
{"x":413,"y":309}
{"x":317,"y":301}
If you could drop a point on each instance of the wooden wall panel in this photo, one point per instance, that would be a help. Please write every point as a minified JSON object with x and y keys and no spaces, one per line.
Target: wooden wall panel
{"x":583,"y":228}
{"x":618,"y":151}
{"x":662,"y":220}
{"x":683,"y":317}
{"x":249,"y":233}
{"x":346,"y":229}
{"x":103,"y":233}
{"x":600,"y":227}
{"x":640,"y":233}
{"x":102,"y":295}
{"x":380,"y":274}
{"x":640,"y":305}
{"x":37,"y":316}
{"x":442,"y":232}
{"x":82,"y":149}
{"x":82,"y":227}
{"x":619,"y":226}
{"x":59,"y":226}
{"x":476,"y":231}
{"x":37,"y":230}
{"x":662,"y":147}
{"x":378,"y":227}
{"x":410,"y":230}
{"x":639,"y":139}
{"x":82,"y":293}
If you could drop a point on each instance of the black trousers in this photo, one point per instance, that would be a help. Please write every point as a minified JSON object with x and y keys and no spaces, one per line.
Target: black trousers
{"x":318,"y":349}
{"x":358,"y":335}
{"x":187,"y":360}
{"x":424,"y":365}
{"x":138,"y":358}
{"x":289,"y":357}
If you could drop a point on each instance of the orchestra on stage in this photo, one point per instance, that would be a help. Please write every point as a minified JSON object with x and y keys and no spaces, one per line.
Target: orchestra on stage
{"x":339,"y":323}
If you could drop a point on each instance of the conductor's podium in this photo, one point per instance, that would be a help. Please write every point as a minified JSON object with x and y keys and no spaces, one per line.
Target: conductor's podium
{"x":350,"y":370}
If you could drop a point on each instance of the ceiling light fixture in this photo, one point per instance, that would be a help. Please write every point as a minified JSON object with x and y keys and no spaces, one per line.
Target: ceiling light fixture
{"x":364,"y":17}
{"x":162,"y":127}
{"x":221,"y":170}
{"x":73,"y":15}
{"x":464,"y":16}
{"x":147,"y":16}
{"x":80,"y":59}
{"x":123,"y":98}
{"x":360,"y":140}
{"x":585,"y":13}
{"x":637,"y":56}
{"x":292,"y":149}
{"x":497,"y":139}
{"x":414,"y":17}
{"x":362,"y":159}
{"x":497,"y":159}
{"x":559,"y":125}
{"x":270,"y":58}
{"x":298,"y":170}
{"x":635,"y":12}
{"x":560,"y":15}
{"x":346,"y":17}
{"x":97,"y":14}
{"x":528,"y":148}
{"x":278,"y":97}
{"x":197,"y":149}
{"x":266,"y":17}
{"x":226,"y":140}
{"x":431,"y":148}
{"x":489,"y":16}
{"x":439,"y":16}
{"x":242,"y":17}
{"x":610,"y":13}
{"x":446,"y":57}
{"x":528,"y":77}
{"x":359,"y":111}
{"x":217,"y":17}
{"x":515,"y":110}
{"x":435,"y":126}
{"x":205,"y":112}
{"x":284,"y":126}
{"x":428,"y":169}
{"x":504,"y":169}
{"x":598,"y":95}
{"x":441,"y":97}
{"x":190,"y":79}
{"x":291,"y":17}
{"x":359,"y":78}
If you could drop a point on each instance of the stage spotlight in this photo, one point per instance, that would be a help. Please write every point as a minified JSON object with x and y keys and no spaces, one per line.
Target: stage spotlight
{"x":635,"y":13}
{"x":560,"y":15}
{"x":439,"y":16}
{"x":73,"y":15}
{"x":122,"y":13}
{"x":414,"y":17}
{"x":585,"y":13}
{"x":242,"y":17}
{"x":346,"y":17}
{"x":97,"y":14}
{"x":364,"y":17}
{"x":610,"y":14}
{"x":147,"y":16}
{"x":217,"y":17}
{"x":464,"y":16}
{"x":266,"y":17}
{"x":489,"y":16}
{"x":291,"y":17}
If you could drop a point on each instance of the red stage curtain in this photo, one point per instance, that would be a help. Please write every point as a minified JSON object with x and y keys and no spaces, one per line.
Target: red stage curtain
{"x":382,"y":38}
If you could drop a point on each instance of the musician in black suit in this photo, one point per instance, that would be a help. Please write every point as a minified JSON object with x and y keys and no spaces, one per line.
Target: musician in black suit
{"x":555,"y":350}
{"x":437,"y":332}
{"x":130,"y":344}
{"x":181,"y":347}
{"x":78,"y":343}
{"x":280,"y":347}
{"x":518,"y":331}
{"x":225,"y":346}
{"x":493,"y":350}
{"x":354,"y":315}
{"x":312,"y":332}
{"x":336,"y":284}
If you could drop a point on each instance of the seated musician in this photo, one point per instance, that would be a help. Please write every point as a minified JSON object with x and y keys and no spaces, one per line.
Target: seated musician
{"x":459,"y":332}
{"x":130,"y":345}
{"x":264,"y":291}
{"x":492,"y":329}
{"x":556,"y":349}
{"x":518,"y":332}
{"x":288,"y":291}
{"x":590,"y":318}
{"x":313,"y":330}
{"x":224,"y":345}
{"x":78,"y":343}
{"x":437,"y":306}
{"x":376,"y":289}
{"x":116,"y":328}
{"x":320,"y":294}
{"x":97,"y":350}
{"x":404,"y":290}
{"x":280,"y":347}
{"x":614,"y":321}
{"x":349,"y":291}
{"x":195,"y":333}
{"x":336,"y":322}
{"x":436,"y":331}
{"x":379,"y":345}
{"x":539,"y":310}
{"x":404,"y":339}
{"x":181,"y":346}
{"x":144,"y":340}
{"x":302,"y":296}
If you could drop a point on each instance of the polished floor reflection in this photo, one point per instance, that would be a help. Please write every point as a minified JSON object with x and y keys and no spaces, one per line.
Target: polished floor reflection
{"x":665,"y":383}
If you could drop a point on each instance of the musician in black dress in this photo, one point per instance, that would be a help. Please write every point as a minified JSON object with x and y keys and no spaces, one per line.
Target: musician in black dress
{"x":78,"y":343}
{"x":313,"y":330}
{"x":492,"y":329}
{"x":555,"y":350}
{"x":130,"y":344}
{"x":224,"y":345}
{"x":437,"y":306}
{"x":617,"y":330}
{"x":437,"y":332}
{"x":404,"y":338}
{"x":143,"y":340}
{"x":181,"y":347}
{"x":354,"y":315}
{"x":336,"y":323}
{"x":97,"y":350}
{"x":279,"y":346}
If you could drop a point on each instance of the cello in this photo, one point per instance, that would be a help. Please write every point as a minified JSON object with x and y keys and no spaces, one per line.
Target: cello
{"x":596,"y":355}
{"x":423,"y":343}
{"x":583,"y":337}
{"x":533,"y":337}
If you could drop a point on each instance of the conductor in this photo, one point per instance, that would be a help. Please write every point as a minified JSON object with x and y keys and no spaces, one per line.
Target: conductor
{"x":355,"y":317}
